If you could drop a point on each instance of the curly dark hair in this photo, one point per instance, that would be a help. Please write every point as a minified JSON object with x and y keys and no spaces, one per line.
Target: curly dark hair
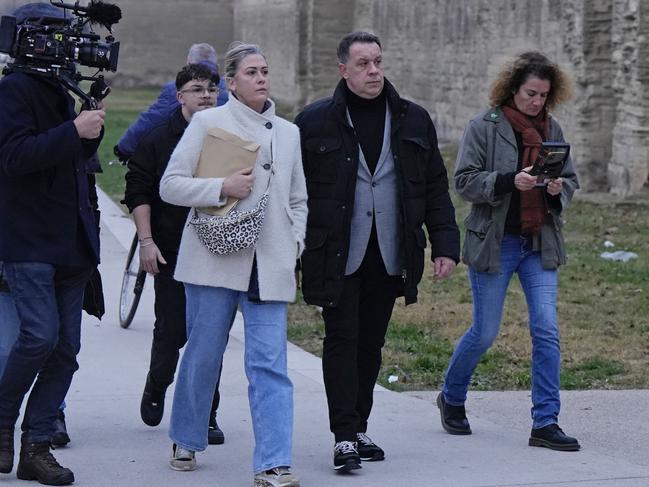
{"x":516,"y":72}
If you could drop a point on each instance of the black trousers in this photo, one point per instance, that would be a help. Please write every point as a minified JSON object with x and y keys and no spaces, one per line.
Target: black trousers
{"x":170,"y":330}
{"x":354,"y":335}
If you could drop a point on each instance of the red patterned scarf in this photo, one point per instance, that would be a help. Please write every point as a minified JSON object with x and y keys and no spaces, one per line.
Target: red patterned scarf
{"x":533,"y":131}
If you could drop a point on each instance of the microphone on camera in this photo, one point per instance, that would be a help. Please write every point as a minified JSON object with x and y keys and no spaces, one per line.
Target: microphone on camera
{"x":97,"y":12}
{"x":102,"y":13}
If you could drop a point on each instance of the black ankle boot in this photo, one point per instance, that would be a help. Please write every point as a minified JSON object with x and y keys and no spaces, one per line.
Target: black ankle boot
{"x":153,"y":404}
{"x":553,"y":437}
{"x":37,"y":463}
{"x":453,"y":417}
{"x":215,"y":435}
{"x":6,"y":450}
{"x":60,"y":436}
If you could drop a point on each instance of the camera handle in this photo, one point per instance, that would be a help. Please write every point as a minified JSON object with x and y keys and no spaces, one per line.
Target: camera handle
{"x":89,"y":103}
{"x":98,"y":90}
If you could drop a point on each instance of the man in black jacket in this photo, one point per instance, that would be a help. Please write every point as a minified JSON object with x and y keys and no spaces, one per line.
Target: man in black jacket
{"x":159,"y":228}
{"x":374,"y":178}
{"x":50,"y":245}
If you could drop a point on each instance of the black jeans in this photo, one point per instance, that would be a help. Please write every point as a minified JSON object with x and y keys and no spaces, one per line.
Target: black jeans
{"x":354,"y":335}
{"x":170,"y":330}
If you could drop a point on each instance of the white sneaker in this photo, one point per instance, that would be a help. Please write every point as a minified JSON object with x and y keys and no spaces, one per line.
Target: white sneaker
{"x":181,"y":459}
{"x":276,"y":477}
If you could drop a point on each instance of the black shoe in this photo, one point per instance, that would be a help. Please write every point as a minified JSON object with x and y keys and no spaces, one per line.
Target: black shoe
{"x":37,"y":463}
{"x":60,"y":436}
{"x":553,"y":437}
{"x":367,"y":449}
{"x":453,"y":417}
{"x":6,"y":450}
{"x":153,"y":404}
{"x":346,"y":456}
{"x":215,"y":435}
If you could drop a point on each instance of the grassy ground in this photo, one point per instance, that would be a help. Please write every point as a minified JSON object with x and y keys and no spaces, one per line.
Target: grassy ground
{"x":603,"y":306}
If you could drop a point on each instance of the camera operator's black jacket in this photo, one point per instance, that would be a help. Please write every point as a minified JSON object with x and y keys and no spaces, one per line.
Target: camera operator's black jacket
{"x":45,"y":209}
{"x":145,"y":169}
{"x":330,"y":154}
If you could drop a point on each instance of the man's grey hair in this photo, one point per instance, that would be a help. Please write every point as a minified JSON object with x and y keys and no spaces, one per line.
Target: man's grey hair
{"x":201,"y":52}
{"x":349,"y":39}
{"x":235,"y":54}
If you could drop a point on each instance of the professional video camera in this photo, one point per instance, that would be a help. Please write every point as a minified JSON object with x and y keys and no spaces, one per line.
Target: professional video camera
{"x":51,"y":46}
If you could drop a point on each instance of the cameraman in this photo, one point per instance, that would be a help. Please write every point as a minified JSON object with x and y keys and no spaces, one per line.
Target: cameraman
{"x":50,"y":245}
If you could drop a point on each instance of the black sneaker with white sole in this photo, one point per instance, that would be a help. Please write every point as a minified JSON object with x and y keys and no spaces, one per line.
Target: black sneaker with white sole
{"x":152,"y":404}
{"x":367,"y":449}
{"x":346,"y":456}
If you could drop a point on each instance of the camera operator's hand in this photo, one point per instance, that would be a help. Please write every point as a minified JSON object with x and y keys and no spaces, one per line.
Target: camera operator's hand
{"x":89,"y":123}
{"x":239,"y":184}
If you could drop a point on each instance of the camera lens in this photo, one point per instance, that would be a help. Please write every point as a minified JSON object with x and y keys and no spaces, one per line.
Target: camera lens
{"x":98,"y":54}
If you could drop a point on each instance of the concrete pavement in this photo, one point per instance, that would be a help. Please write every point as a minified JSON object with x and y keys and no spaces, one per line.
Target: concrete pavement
{"x":112,"y":447}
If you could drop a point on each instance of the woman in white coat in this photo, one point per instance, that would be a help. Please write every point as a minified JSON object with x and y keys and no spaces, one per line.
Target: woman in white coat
{"x":259,"y":280}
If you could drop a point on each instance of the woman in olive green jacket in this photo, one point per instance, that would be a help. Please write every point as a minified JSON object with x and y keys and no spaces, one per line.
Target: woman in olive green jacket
{"x":514,"y":227}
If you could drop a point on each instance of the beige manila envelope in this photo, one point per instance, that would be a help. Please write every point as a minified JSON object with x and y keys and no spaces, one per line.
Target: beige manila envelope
{"x":223,"y":154}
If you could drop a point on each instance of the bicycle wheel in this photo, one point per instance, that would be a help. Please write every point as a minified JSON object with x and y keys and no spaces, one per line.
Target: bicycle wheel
{"x":132,"y":285}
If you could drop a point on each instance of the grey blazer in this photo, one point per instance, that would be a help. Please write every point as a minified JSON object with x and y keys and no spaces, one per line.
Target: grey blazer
{"x":488,"y":147}
{"x":376,"y":197}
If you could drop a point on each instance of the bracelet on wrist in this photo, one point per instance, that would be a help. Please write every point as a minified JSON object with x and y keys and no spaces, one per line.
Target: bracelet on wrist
{"x":146,"y":244}
{"x":144,"y":238}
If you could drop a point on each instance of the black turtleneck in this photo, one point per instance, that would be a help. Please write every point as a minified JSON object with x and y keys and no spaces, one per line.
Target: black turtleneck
{"x":368,"y":118}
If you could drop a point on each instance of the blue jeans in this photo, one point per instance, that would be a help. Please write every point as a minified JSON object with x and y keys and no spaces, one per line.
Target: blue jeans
{"x":48,"y":300}
{"x":270,"y":391}
{"x":9,"y":326}
{"x":489,"y":290}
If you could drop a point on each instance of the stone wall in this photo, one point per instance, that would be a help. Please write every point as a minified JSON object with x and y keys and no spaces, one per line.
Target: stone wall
{"x":155,"y":35}
{"x":445,"y":54}
{"x":441,"y":54}
{"x":274,"y":26}
{"x":629,"y":166}
{"x":587,"y":46}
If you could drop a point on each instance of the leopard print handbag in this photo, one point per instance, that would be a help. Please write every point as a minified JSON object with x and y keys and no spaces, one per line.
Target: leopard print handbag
{"x":233,"y":232}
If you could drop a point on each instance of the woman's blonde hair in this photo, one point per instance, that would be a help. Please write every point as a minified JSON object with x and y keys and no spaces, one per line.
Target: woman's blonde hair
{"x":516,"y":72}
{"x":236,"y":52}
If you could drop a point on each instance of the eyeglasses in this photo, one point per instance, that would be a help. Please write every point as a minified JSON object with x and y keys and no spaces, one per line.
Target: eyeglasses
{"x":201,"y":90}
